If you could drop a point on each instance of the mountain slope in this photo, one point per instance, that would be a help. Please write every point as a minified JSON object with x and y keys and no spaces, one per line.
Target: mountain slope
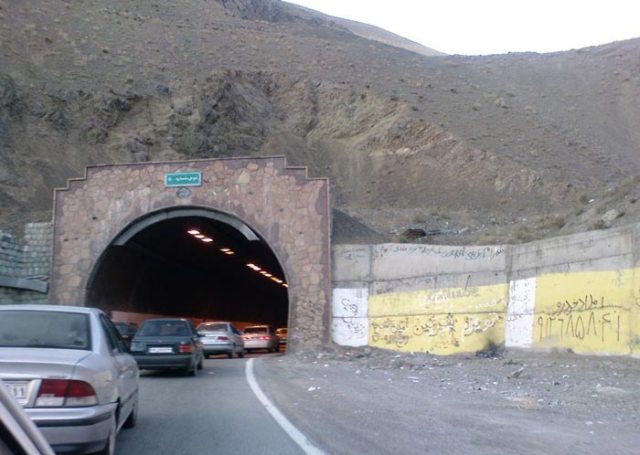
{"x":458,"y":149}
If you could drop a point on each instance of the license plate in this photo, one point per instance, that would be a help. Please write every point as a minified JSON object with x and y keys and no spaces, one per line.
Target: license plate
{"x":19,"y":391}
{"x":211,"y":341}
{"x":160,"y":350}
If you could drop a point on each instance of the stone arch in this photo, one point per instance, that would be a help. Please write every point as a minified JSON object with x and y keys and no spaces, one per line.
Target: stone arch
{"x":258,"y":196}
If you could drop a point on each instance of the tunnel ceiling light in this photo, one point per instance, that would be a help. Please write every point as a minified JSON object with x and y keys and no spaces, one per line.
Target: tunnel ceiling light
{"x":228,"y":251}
{"x":199,"y":235}
{"x":258,"y":269}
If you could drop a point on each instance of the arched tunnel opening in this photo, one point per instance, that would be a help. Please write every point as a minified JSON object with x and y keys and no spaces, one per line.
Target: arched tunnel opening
{"x":191,"y":263}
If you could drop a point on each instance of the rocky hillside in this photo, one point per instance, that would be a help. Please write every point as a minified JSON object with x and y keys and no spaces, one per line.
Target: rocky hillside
{"x":419,"y":146}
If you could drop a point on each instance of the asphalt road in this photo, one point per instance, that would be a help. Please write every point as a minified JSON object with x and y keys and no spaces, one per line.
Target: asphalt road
{"x":214,"y":413}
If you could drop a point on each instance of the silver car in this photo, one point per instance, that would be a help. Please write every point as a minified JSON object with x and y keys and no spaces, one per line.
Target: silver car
{"x":68,"y":368}
{"x":221,"y":338}
{"x":19,"y":434}
{"x":260,"y":337}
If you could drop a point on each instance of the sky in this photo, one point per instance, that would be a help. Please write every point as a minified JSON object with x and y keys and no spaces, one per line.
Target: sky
{"x":482,"y":27}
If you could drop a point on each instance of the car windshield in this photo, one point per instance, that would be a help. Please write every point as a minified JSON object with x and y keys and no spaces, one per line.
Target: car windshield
{"x":163,"y":328}
{"x":122,"y":327}
{"x":213,"y":327}
{"x":44,"y":329}
{"x":256,"y":330}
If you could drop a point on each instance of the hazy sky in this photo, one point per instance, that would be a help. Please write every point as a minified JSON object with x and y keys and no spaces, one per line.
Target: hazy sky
{"x":479,"y":27}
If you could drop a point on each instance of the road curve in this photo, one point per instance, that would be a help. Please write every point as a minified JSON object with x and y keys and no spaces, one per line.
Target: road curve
{"x":215,"y":412}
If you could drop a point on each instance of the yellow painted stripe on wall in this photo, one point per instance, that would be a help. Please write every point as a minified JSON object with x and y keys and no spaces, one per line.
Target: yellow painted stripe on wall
{"x":443,"y":321}
{"x":473,"y":299}
{"x":588,"y":312}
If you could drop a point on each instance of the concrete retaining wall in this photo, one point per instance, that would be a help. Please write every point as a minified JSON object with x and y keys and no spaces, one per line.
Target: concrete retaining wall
{"x":578,"y":292}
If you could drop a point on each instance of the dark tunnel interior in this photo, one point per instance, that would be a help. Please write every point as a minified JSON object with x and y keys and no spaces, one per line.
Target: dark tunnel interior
{"x":165,"y":270}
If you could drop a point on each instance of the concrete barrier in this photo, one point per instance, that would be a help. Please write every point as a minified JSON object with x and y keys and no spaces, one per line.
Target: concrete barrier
{"x":578,"y":292}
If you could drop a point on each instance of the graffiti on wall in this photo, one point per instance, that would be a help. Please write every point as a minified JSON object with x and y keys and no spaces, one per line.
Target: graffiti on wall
{"x":349,"y":325}
{"x":442,"y":321}
{"x":469,"y":253}
{"x":587,"y":312}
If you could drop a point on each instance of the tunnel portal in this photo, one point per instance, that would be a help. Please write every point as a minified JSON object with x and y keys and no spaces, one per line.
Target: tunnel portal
{"x":242,"y":239}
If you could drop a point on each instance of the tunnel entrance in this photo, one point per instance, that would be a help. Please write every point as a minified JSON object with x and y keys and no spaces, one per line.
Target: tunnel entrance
{"x":121,"y":242}
{"x":193,"y":263}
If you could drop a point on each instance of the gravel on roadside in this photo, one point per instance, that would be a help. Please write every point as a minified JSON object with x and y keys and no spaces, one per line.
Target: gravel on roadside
{"x":367,"y":400}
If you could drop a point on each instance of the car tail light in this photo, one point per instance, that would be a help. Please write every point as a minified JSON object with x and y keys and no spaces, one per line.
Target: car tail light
{"x":223,"y":338}
{"x":65,"y":392}
{"x":265,"y":338}
{"x":185,"y":348}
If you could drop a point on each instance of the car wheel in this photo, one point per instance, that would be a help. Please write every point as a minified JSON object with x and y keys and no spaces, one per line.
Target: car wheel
{"x":132,"y":420}
{"x":110,"y":448}
{"x":230,"y":354}
{"x":241,"y":354}
{"x":192,"y":370}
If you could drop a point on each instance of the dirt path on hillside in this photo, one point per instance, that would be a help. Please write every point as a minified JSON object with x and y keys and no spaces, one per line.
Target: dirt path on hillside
{"x":376,"y":402}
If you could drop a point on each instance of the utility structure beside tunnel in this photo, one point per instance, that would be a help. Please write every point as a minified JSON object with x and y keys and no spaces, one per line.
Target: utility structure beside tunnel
{"x":121,"y":242}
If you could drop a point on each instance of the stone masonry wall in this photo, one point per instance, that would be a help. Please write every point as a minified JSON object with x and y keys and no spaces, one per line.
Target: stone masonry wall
{"x":24,"y":264}
{"x":286,"y":208}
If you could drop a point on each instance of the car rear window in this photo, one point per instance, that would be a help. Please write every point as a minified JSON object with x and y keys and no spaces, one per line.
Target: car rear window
{"x":44,"y":329}
{"x":256,"y":329}
{"x":213,"y":327}
{"x":163,"y":328}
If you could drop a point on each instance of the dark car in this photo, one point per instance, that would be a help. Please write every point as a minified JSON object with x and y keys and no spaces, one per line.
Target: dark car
{"x":167,"y":343}
{"x":127,"y":330}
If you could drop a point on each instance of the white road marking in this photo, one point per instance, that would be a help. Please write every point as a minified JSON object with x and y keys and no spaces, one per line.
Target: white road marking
{"x":287,"y":426}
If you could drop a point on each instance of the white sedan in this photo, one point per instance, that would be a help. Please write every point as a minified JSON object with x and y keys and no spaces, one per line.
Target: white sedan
{"x":260,"y":337}
{"x":69,"y":369}
{"x":221,"y":337}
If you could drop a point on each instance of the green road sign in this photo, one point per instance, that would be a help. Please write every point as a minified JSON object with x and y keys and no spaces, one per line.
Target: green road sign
{"x":172,"y":179}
